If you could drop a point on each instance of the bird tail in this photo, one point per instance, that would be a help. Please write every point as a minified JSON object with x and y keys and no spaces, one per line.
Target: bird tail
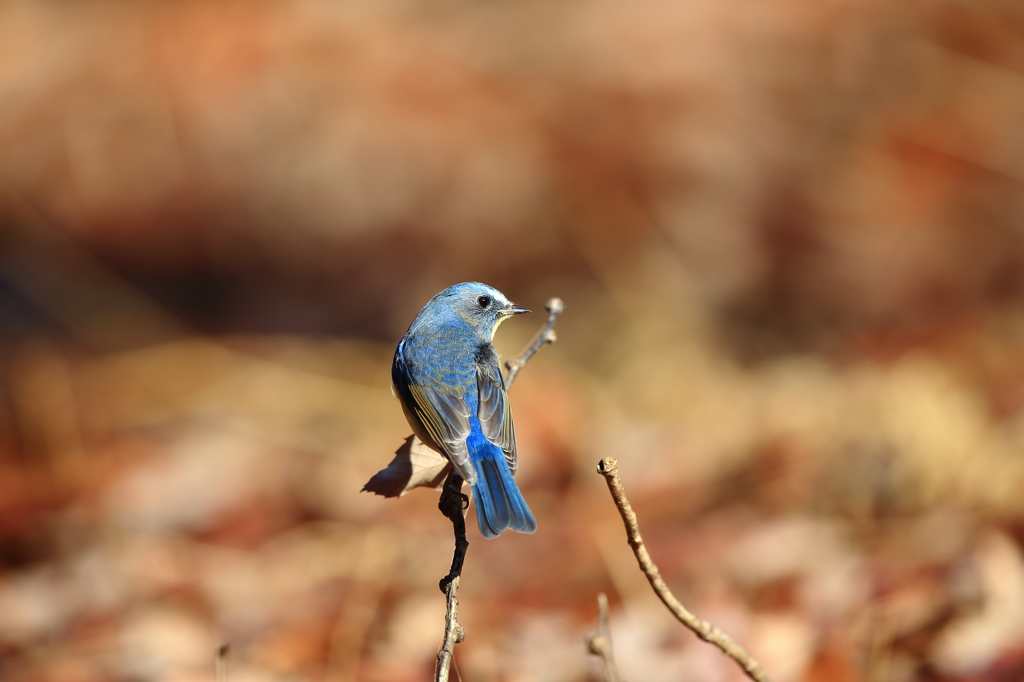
{"x":499,"y":504}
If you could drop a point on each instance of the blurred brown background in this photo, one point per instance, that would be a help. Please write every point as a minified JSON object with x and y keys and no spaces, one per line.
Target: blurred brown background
{"x":789,"y":236}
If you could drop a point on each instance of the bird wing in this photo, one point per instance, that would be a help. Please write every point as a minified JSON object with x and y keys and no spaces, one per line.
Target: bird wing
{"x":494,"y":411}
{"x":444,"y":418}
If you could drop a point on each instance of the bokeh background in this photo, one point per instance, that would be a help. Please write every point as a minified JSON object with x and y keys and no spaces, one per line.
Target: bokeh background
{"x":790,"y":239}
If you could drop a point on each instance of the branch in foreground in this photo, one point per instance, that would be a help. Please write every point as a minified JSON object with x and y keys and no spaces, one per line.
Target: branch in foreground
{"x":453,"y":504}
{"x":600,"y":643}
{"x":609,"y":468}
{"x":220,"y":663}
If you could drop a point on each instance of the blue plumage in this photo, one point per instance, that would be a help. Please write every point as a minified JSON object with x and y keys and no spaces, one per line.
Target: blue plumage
{"x":447,"y":376}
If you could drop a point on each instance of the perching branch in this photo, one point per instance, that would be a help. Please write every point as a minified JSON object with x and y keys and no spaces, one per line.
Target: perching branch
{"x":453,"y":633}
{"x":600,"y":643}
{"x":453,"y":504}
{"x":609,"y":468}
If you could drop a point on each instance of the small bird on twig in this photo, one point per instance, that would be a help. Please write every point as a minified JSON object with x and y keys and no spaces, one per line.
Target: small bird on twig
{"x":447,"y":376}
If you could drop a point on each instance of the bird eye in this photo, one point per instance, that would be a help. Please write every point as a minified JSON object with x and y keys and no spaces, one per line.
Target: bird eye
{"x":484,"y":301}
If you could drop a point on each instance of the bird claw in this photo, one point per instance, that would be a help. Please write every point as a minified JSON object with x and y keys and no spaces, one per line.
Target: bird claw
{"x":449,"y":498}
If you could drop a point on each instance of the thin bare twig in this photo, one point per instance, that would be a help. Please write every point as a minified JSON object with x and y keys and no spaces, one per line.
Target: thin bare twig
{"x":453,"y":504}
{"x":554,"y":306}
{"x":600,"y":643}
{"x":609,"y":468}
{"x":220,"y":663}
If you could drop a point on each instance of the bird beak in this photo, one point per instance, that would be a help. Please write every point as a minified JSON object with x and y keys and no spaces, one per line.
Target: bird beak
{"x":515,"y":310}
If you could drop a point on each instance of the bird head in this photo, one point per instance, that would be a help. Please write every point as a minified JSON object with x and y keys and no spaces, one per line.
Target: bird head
{"x":482,"y":307}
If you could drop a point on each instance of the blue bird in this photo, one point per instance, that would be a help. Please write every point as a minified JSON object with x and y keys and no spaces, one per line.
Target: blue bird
{"x":446,"y":374}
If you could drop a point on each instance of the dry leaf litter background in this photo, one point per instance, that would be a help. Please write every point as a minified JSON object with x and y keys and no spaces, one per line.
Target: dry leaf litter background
{"x":789,"y":238}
